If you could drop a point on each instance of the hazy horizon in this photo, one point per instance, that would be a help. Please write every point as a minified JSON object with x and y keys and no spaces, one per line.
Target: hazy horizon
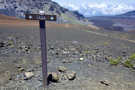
{"x":98,"y":7}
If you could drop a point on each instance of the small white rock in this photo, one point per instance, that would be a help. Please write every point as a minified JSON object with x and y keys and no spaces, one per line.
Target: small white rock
{"x":29,"y":75}
{"x":81,"y":59}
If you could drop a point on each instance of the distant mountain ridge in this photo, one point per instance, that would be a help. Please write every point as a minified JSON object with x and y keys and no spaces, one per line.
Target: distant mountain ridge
{"x":19,"y":7}
{"x":129,"y":14}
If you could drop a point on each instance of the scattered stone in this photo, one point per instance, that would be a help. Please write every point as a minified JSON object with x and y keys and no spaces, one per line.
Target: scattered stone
{"x":96,"y":49}
{"x":2,"y":44}
{"x":53,"y":76}
{"x":8,"y":74}
{"x":18,"y":66}
{"x":25,"y":48}
{"x":124,"y":52}
{"x":28,"y":75}
{"x":21,"y":69}
{"x":66,"y":52}
{"x":62,"y":69}
{"x":105,"y":83}
{"x":81,"y":59}
{"x":71,"y":75}
{"x":63,"y":77}
{"x":10,"y":44}
{"x":133,"y":66}
{"x":67,"y":61}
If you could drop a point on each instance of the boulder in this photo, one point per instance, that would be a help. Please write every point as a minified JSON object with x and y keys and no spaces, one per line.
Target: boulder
{"x":71,"y":75}
{"x":28,"y":75}
{"x":53,"y":77}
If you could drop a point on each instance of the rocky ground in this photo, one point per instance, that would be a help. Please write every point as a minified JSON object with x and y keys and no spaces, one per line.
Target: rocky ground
{"x":78,"y":58}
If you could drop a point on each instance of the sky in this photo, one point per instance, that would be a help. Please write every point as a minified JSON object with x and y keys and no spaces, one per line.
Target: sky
{"x":98,"y":7}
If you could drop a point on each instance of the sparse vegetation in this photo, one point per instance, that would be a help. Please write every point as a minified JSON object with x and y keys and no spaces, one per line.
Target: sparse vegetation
{"x":132,"y":57}
{"x":70,"y":19}
{"x":128,"y":63}
{"x":115,"y":61}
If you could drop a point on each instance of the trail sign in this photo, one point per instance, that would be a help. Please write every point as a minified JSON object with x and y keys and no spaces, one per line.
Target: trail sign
{"x":40,"y":17}
{"x":42,"y":23}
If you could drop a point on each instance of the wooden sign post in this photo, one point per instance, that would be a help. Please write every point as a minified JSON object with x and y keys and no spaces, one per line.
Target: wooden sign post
{"x":42,"y":23}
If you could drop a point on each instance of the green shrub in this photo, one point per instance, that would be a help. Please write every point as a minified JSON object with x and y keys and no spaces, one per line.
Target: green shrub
{"x":132,"y":57}
{"x":115,"y":61}
{"x":128,"y":64}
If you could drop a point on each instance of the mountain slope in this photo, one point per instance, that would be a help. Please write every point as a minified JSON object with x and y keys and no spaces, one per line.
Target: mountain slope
{"x":18,"y":8}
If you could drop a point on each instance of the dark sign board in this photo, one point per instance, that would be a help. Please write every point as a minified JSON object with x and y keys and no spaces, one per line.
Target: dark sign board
{"x":40,"y":17}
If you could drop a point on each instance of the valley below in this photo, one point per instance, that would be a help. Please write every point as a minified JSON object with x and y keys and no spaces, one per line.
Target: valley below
{"x":114,"y":23}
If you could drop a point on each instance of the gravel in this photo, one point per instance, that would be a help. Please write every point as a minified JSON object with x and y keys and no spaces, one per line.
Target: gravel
{"x":86,"y":63}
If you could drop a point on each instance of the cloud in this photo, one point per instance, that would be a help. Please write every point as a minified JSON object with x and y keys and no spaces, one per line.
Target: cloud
{"x":93,"y":9}
{"x":71,"y":6}
{"x":97,"y":9}
{"x":96,"y":5}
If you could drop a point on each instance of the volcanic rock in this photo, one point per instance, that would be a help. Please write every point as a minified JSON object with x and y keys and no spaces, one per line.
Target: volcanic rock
{"x":53,"y":76}
{"x":71,"y":75}
{"x":28,"y":75}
